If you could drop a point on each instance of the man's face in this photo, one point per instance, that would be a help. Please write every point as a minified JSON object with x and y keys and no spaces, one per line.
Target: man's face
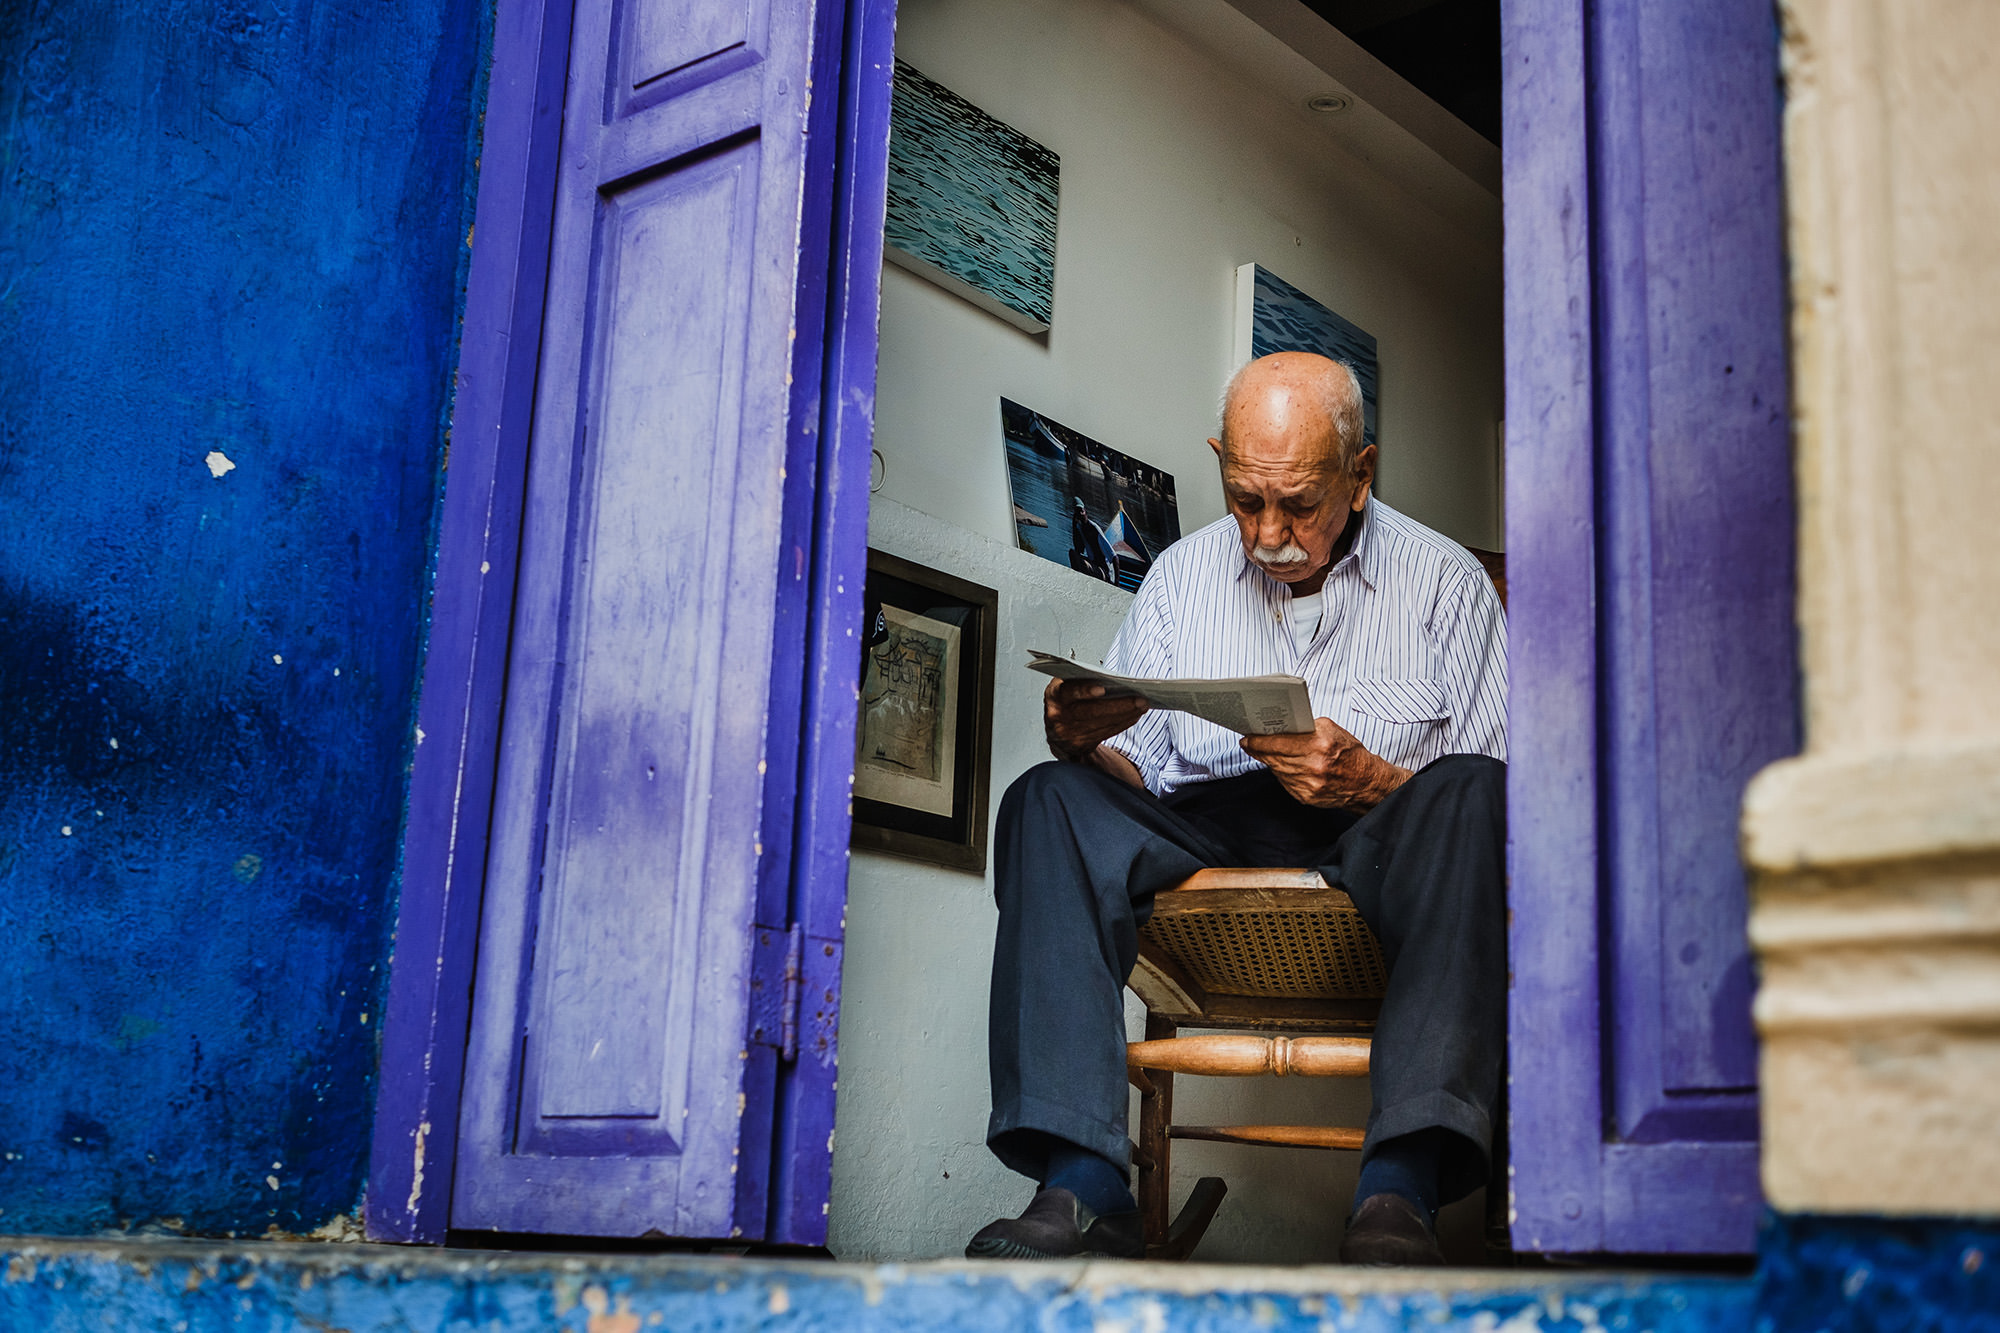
{"x":1286,"y":491}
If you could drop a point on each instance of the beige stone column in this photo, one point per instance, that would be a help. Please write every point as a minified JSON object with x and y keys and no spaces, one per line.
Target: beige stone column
{"x":1876,"y":853}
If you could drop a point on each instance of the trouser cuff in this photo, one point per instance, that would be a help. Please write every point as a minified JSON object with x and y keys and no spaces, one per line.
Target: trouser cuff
{"x":1020,"y":1151}
{"x":1460,"y":1173}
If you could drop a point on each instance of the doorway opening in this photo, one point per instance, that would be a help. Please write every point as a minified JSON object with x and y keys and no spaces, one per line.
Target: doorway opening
{"x":1191,"y":145}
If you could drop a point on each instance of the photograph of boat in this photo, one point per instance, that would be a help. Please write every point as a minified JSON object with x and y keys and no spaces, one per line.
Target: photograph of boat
{"x":1084,"y":504}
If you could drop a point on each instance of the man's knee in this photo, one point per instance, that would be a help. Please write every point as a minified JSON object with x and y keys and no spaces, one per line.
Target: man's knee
{"x":1466,"y":790}
{"x":1480,"y":773}
{"x":1453,"y":813}
{"x":1051,"y":784}
{"x":1042,"y":807}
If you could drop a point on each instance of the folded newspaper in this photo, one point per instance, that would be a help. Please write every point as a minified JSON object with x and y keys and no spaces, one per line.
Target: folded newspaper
{"x":1249,"y":706}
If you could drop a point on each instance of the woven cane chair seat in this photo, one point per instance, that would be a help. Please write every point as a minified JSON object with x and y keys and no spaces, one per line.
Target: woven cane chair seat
{"x":1293,"y":948}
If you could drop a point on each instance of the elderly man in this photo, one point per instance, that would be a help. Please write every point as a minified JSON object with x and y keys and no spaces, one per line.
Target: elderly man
{"x":1397,"y":796}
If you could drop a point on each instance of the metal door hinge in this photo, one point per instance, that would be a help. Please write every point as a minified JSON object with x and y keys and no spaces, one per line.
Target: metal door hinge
{"x":795,"y":948}
{"x":777,"y":983}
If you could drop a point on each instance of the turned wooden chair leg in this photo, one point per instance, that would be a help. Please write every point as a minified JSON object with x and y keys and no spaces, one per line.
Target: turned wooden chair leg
{"x":1156,"y":1114}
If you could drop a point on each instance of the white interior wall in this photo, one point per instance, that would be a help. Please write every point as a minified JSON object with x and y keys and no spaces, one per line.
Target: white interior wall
{"x":1177,"y":166}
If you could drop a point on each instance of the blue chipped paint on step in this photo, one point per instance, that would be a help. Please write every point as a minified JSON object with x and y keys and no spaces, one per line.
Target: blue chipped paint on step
{"x":1913,"y":1275}
{"x":362,"y":1289}
{"x":1831,"y":1274}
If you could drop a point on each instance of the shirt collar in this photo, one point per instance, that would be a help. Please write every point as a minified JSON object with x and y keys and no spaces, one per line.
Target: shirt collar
{"x":1362,"y":553}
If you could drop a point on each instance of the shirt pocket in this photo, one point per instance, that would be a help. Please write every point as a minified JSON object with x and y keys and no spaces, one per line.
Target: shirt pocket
{"x":1401,"y":719}
{"x":1407,"y":701}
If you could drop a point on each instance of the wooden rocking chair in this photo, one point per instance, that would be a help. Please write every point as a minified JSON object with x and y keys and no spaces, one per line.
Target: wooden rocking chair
{"x":1276,"y":952}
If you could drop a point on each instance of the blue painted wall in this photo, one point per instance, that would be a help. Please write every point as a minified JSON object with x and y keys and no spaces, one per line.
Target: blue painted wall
{"x":231,"y":230}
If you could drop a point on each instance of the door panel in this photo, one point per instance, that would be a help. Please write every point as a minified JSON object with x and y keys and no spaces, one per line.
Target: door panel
{"x":667,"y":48}
{"x":1722,"y":500}
{"x":668,"y":36}
{"x":1647,"y":342}
{"x":645,"y":619}
{"x":605,"y":1087}
{"x":1707,"y":569}
{"x":629,"y":794}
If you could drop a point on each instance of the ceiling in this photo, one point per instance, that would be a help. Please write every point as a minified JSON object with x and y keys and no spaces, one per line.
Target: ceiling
{"x":1449,"y":49}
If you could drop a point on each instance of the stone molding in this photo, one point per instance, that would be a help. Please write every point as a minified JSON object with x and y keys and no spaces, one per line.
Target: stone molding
{"x":1879,"y":1011}
{"x":1875,"y":856}
{"x":1821,"y":811}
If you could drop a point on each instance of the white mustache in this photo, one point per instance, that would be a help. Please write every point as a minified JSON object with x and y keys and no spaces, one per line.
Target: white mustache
{"x":1291,"y":553}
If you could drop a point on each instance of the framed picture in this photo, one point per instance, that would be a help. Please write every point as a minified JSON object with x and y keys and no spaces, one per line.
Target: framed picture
{"x":1274,"y":316}
{"x":972,"y":203}
{"x":1085,"y":504}
{"x":923,"y":745}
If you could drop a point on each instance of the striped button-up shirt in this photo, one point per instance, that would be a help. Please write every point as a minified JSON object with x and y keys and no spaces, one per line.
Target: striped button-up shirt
{"x":1411,"y":653}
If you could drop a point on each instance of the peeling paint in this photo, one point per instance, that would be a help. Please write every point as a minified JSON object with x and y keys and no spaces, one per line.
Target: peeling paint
{"x":218,"y":463}
{"x":417,"y":1168}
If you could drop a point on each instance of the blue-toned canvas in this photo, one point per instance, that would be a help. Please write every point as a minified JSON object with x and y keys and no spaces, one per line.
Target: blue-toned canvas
{"x":972,"y":203}
{"x":1084,"y":504}
{"x":1278,"y":317}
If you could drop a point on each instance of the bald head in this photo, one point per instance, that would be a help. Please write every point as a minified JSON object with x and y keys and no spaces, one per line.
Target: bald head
{"x":1294,"y":465}
{"x":1310,"y":400}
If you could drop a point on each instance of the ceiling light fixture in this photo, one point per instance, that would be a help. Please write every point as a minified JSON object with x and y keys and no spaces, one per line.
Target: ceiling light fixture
{"x":1329,"y":104}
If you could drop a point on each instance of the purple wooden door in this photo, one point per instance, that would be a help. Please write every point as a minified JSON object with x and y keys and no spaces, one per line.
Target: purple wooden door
{"x":1650,"y":552}
{"x":676,"y":332}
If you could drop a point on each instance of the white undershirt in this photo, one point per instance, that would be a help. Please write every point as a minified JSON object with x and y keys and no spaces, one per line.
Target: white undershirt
{"x":1304,"y":623}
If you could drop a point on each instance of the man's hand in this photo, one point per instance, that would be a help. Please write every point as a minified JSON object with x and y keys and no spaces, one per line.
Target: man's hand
{"x":1327,"y":767}
{"x":1078,"y":719}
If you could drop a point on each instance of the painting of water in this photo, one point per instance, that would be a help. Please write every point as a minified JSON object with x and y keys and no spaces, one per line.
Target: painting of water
{"x":972,"y":203}
{"x":1084,"y":504}
{"x":1274,"y":316}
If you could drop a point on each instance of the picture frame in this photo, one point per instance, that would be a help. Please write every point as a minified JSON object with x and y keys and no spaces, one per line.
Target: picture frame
{"x":1274,"y":316}
{"x":972,"y":203}
{"x":924,"y":739}
{"x":1082,"y":503}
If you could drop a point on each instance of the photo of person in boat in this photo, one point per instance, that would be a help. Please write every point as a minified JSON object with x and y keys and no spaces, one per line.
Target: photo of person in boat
{"x":1085,"y":504}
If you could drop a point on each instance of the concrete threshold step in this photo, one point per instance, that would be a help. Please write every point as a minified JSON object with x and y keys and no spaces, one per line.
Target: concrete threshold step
{"x":56,"y":1285}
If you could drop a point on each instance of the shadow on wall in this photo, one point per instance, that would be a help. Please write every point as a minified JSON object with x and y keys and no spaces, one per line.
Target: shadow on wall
{"x":235,"y":243}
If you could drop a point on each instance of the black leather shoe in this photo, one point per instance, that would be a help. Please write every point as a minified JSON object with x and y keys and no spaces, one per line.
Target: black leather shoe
{"x":1056,"y":1225}
{"x":1387,"y":1230}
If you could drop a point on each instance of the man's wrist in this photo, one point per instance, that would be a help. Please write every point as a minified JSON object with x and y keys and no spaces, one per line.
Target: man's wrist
{"x":1071,"y":756}
{"x":1388,"y":777}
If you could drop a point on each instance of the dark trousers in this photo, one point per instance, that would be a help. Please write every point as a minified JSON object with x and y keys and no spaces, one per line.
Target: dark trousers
{"x":1080,"y":855}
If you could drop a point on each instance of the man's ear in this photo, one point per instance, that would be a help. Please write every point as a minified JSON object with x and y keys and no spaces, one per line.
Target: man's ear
{"x":1364,"y":477}
{"x":1216,"y":445}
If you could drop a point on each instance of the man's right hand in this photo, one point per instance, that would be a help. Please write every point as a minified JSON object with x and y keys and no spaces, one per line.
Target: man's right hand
{"x":1078,"y":718}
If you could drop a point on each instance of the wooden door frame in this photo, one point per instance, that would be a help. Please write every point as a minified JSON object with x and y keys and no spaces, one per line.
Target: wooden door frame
{"x":428,"y":1009}
{"x":1557,"y":1103}
{"x":1576,"y":1186}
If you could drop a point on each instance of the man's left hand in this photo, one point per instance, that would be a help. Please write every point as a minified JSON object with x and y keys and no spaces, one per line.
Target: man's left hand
{"x":1327,"y":767}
